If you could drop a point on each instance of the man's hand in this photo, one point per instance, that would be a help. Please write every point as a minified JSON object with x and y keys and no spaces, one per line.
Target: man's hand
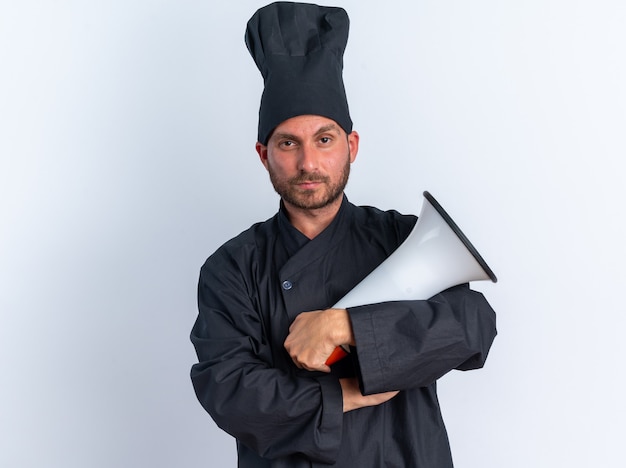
{"x":314,"y":335}
{"x":353,"y":399}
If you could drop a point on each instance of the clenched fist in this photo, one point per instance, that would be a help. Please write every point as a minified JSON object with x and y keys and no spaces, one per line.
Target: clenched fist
{"x":314,"y":335}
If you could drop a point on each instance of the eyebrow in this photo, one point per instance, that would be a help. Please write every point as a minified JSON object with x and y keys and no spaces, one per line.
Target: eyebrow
{"x":284,"y":136}
{"x":323,"y":129}
{"x":328,"y":128}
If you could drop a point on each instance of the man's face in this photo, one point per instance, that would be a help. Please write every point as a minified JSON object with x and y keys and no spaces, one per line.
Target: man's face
{"x":308,"y":159}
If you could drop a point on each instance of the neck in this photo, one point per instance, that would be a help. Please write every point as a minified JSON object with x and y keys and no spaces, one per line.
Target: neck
{"x":311,"y":222}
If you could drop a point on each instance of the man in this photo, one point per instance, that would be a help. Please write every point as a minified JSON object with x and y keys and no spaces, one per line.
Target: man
{"x":265,"y":327}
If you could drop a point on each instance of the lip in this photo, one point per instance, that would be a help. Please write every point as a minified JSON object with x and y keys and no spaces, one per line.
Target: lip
{"x":309,"y":185}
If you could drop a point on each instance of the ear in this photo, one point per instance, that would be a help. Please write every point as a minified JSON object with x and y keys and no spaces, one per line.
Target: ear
{"x":353,"y":145}
{"x":261,"y":149}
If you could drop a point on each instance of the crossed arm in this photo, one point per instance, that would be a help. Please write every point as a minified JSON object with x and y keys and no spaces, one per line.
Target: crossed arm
{"x":400,"y":344}
{"x":238,"y":385}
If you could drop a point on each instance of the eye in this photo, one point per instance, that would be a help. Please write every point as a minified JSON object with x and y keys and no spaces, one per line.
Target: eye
{"x":325,"y":140}
{"x":286,"y":144}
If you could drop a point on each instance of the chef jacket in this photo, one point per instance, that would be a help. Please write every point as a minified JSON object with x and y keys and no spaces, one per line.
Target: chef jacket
{"x":252,"y":288}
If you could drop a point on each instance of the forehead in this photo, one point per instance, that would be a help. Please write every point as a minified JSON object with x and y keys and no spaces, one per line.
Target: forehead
{"x":307,"y":125}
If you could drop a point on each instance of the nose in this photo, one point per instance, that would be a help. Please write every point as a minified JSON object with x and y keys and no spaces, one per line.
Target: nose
{"x":308,"y":158}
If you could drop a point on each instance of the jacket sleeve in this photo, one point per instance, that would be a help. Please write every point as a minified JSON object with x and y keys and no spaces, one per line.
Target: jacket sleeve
{"x":273,"y":412}
{"x":409,"y":344}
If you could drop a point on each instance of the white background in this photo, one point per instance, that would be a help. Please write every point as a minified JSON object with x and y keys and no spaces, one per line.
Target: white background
{"x":127,"y":133}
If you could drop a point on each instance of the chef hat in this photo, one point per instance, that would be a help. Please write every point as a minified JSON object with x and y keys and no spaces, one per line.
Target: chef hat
{"x":298,"y":48}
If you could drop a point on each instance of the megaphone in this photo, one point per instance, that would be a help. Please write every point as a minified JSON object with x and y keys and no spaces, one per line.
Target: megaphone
{"x":434,"y":257}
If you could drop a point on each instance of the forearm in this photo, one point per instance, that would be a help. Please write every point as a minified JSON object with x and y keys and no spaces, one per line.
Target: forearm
{"x":411,"y":344}
{"x":273,"y":413}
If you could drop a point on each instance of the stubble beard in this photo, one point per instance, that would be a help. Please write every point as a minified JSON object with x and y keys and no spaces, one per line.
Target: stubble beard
{"x":309,"y":199}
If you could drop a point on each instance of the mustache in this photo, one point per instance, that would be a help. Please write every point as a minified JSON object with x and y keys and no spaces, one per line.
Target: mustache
{"x":306,"y":177}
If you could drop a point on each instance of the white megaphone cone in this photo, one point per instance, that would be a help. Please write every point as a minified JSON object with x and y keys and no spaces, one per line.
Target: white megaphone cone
{"x":435,"y":257}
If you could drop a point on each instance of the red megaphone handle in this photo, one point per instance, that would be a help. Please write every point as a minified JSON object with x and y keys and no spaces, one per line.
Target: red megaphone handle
{"x":337,"y":355}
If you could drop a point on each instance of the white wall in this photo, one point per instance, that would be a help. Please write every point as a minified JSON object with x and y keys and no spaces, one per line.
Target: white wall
{"x":127,"y":135}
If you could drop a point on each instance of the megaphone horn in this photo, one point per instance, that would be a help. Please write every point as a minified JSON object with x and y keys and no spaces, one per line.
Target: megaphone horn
{"x":434,"y":257}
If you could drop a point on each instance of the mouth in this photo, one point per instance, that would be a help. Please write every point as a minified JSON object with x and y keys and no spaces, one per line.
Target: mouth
{"x":309,"y":184}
